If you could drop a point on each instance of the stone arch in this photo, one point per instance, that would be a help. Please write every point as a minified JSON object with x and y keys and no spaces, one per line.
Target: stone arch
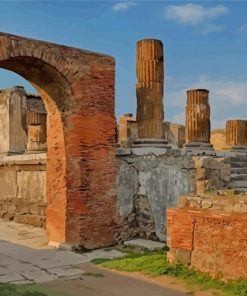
{"x":77,"y":88}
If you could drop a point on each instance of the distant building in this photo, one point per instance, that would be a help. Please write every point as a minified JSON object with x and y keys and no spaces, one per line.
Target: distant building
{"x":22,"y":121}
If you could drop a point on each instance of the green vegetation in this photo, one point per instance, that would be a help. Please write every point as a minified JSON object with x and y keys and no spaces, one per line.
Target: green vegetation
{"x":27,"y":290}
{"x":156,"y":264}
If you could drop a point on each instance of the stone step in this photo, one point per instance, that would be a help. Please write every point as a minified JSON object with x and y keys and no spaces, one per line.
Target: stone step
{"x":238,"y":184}
{"x":239,"y":171}
{"x":242,"y":164}
{"x":238,"y":159}
{"x":241,"y":190}
{"x":238,"y":177}
{"x":146,"y":244}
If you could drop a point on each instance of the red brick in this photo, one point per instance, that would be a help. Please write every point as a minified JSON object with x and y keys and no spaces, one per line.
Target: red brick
{"x":77,"y":87}
{"x":217,"y":240}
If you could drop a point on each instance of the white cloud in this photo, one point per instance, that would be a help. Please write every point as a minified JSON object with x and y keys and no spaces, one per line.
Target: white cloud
{"x":122,"y":6}
{"x":228,"y":99}
{"x":211,"y":28}
{"x":194,"y":14}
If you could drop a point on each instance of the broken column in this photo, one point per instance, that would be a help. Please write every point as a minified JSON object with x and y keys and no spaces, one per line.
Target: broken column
{"x":149,"y":92}
{"x":236,"y":134}
{"x":36,"y":139}
{"x":197,"y":126}
{"x":12,"y":120}
{"x":126,"y":129}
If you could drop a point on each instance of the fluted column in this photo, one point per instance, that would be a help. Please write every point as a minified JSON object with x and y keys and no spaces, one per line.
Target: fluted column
{"x":197,"y":126}
{"x":149,"y":88}
{"x":236,"y":133}
{"x":36,"y":140}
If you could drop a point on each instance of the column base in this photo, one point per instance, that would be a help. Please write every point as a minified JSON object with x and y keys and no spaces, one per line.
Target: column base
{"x":198,"y":145}
{"x":239,"y":148}
{"x":158,"y":143}
{"x":198,"y":148}
{"x":150,"y":146}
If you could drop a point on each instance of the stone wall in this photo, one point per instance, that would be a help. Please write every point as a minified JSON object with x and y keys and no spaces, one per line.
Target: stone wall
{"x":128,"y":132}
{"x":22,"y":183}
{"x":218,"y":139}
{"x":174,"y":133}
{"x":149,"y":184}
{"x":15,"y":103}
{"x":210,"y":234}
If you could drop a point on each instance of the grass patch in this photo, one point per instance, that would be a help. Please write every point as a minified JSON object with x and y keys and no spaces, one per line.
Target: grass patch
{"x":156,"y":264}
{"x":100,"y":260}
{"x":27,"y":290}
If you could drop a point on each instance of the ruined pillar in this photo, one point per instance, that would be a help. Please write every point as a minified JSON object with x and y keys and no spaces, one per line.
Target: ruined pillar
{"x":36,"y":139}
{"x":12,"y":120}
{"x":236,"y":134}
{"x":126,"y":129}
{"x":149,"y":89}
{"x":197,"y":126}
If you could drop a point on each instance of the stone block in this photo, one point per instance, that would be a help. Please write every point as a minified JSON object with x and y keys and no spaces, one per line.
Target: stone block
{"x":147,"y":244}
{"x":201,"y":174}
{"x":182,"y":256}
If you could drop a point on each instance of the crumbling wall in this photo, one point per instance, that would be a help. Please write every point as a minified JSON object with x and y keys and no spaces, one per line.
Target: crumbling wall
{"x":210,"y":234}
{"x":149,"y":184}
{"x":218,"y":139}
{"x":174,"y":134}
{"x":22,"y":194}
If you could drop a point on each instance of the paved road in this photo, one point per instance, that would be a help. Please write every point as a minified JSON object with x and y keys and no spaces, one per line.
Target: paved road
{"x":70,"y":272}
{"x":20,"y":264}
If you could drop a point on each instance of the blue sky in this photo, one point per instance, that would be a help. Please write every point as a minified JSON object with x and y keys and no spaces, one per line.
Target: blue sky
{"x":205,"y":45}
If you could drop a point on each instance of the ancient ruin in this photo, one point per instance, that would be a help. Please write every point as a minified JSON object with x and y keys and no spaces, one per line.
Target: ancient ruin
{"x":128,"y":132}
{"x":149,"y":88}
{"x":61,"y":166}
{"x":236,"y":134}
{"x":77,"y":88}
{"x":197,"y":126}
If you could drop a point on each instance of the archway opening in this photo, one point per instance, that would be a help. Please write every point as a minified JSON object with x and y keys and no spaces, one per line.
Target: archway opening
{"x":22,"y":162}
{"x":55,"y":92}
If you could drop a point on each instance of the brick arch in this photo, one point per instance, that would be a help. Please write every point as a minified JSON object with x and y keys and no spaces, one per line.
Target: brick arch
{"x":77,"y":87}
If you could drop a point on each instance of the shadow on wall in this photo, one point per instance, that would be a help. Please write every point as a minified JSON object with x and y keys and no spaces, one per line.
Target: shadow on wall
{"x":147,"y":186}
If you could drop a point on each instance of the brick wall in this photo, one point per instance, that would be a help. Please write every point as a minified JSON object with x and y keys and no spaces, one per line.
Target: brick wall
{"x":214,"y":242}
{"x":78,"y":90}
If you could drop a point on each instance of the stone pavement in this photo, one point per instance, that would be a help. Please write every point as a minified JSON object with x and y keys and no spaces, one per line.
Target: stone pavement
{"x":21,"y":264}
{"x":23,"y":234}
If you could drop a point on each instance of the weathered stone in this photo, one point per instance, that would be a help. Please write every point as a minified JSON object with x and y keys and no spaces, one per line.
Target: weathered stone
{"x":77,"y":87}
{"x":197,"y":128}
{"x":149,"y":88}
{"x":182,"y":256}
{"x":216,"y":240}
{"x":218,"y":139}
{"x":201,"y":174}
{"x":36,"y":131}
{"x":125,"y":130}
{"x":144,"y":243}
{"x":236,"y":133}
{"x":12,"y":120}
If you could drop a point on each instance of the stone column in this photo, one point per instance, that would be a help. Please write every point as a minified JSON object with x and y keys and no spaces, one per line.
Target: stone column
{"x":197,"y":126}
{"x":36,"y":140}
{"x":12,"y":120}
{"x":236,"y":134}
{"x":149,"y":89}
{"x":123,"y":128}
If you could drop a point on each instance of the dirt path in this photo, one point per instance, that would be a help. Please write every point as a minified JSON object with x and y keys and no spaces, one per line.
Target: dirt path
{"x":98,"y":281}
